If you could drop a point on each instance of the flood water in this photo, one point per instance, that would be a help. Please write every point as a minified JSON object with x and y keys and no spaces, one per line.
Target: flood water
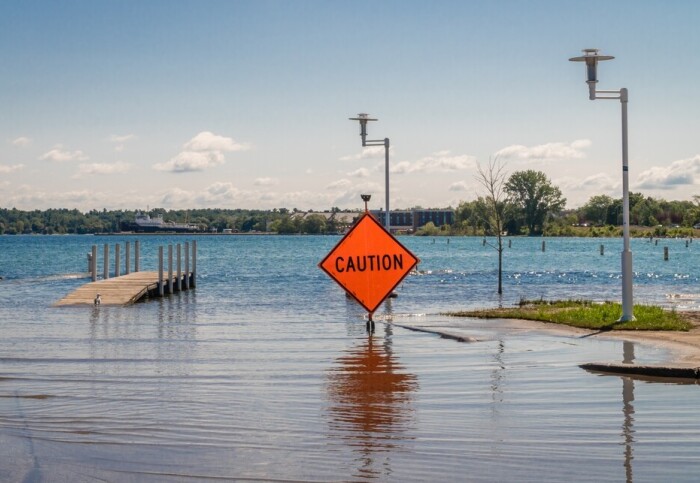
{"x":265,"y":371}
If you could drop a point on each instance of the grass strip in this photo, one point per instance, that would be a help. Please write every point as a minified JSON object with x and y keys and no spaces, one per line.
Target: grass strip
{"x":586,"y":315}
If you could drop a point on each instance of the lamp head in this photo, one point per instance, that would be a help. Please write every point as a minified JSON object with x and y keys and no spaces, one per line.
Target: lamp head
{"x":591,"y":57}
{"x":365,"y":198}
{"x":363,"y":118}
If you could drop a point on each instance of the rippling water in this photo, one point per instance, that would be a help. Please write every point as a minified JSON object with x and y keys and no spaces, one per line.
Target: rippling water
{"x":265,"y":371}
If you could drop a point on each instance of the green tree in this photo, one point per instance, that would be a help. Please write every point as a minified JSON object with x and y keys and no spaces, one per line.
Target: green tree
{"x":595,"y":211}
{"x":429,"y":229}
{"x":536,"y":198}
{"x":314,"y":224}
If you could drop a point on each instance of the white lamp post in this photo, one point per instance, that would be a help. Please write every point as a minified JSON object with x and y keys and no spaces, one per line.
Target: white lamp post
{"x":364,"y":118}
{"x":591,"y":58}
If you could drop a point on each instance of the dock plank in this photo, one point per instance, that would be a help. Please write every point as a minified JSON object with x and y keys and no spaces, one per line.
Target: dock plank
{"x":123,"y":290}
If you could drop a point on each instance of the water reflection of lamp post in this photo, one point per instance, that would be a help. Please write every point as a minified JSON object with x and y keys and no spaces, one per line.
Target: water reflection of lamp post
{"x":628,"y":410}
{"x":363,"y":119}
{"x":591,"y":57}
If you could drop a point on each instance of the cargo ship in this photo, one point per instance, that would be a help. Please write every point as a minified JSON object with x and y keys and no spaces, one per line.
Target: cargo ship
{"x":144,"y":223}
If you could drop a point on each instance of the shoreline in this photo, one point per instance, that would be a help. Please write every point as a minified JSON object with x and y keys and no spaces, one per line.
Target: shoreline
{"x":683,"y":348}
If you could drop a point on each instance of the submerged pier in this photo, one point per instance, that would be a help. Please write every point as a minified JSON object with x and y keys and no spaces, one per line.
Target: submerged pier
{"x":134,"y":286}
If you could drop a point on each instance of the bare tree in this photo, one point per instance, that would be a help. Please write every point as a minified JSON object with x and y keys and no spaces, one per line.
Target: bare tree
{"x":493,"y":178}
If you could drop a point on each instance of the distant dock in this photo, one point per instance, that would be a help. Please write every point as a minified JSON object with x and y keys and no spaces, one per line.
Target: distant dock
{"x":131,"y":287}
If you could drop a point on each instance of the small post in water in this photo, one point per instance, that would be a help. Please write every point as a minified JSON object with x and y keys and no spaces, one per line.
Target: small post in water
{"x":543,"y":245}
{"x":602,"y":249}
{"x":665,"y":254}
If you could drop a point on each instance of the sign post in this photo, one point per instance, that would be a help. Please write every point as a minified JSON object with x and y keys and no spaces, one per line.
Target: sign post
{"x":369,"y":263}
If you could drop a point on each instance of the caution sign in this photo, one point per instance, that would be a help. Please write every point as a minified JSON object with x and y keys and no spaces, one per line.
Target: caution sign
{"x":368,"y":262}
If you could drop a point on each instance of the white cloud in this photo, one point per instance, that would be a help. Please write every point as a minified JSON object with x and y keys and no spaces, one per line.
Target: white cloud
{"x":203,"y":151}
{"x":4,"y":168}
{"x":359,"y":173}
{"x":681,"y":172}
{"x":117,"y":139}
{"x":546,"y":152}
{"x":340,"y":184}
{"x":28,"y":197}
{"x":265,"y":182}
{"x":600,"y":182}
{"x":207,"y":141}
{"x":188,"y":161}
{"x":214,"y":195}
{"x":102,"y":168}
{"x":441,"y":161}
{"x":370,"y":152}
{"x":21,"y":142}
{"x":459,"y":186}
{"x":59,"y":155}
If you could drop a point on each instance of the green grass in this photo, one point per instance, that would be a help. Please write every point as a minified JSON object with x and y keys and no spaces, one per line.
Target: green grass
{"x":586,"y":315}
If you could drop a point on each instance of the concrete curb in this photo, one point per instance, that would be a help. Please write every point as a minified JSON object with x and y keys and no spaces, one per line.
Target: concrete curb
{"x":643,"y":370}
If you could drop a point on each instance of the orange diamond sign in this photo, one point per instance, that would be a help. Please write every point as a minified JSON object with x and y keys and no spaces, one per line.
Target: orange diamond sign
{"x":368,"y":262}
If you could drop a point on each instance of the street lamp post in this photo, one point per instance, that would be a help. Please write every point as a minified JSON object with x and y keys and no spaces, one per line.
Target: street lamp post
{"x":591,"y":57}
{"x":364,"y":118}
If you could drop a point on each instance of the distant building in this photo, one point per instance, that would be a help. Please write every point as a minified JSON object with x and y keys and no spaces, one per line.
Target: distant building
{"x":411,"y":220}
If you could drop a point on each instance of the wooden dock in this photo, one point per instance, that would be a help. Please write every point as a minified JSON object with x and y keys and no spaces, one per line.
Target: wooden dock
{"x":125,"y":289}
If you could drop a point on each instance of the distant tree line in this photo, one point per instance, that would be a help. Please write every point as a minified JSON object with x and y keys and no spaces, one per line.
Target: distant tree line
{"x":534,"y":206}
{"x":65,"y":221}
{"x":531,"y":205}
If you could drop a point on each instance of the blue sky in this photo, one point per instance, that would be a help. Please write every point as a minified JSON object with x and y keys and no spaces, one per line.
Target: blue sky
{"x":244,"y":104}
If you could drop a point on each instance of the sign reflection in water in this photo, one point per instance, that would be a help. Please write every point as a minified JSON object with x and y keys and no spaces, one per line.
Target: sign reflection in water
{"x":370,"y":403}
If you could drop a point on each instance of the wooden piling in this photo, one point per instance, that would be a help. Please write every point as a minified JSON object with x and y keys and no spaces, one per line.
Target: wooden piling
{"x":170,"y":269}
{"x":666,"y":254}
{"x":187,"y":265}
{"x":543,"y":245}
{"x":194,"y":263}
{"x":105,"y":269}
{"x":509,"y":243}
{"x":127,"y":261}
{"x":137,"y":256}
{"x":179,"y":268}
{"x":93,"y":268}
{"x":602,"y":249}
{"x":117,"y":249}
{"x":160,"y":271}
